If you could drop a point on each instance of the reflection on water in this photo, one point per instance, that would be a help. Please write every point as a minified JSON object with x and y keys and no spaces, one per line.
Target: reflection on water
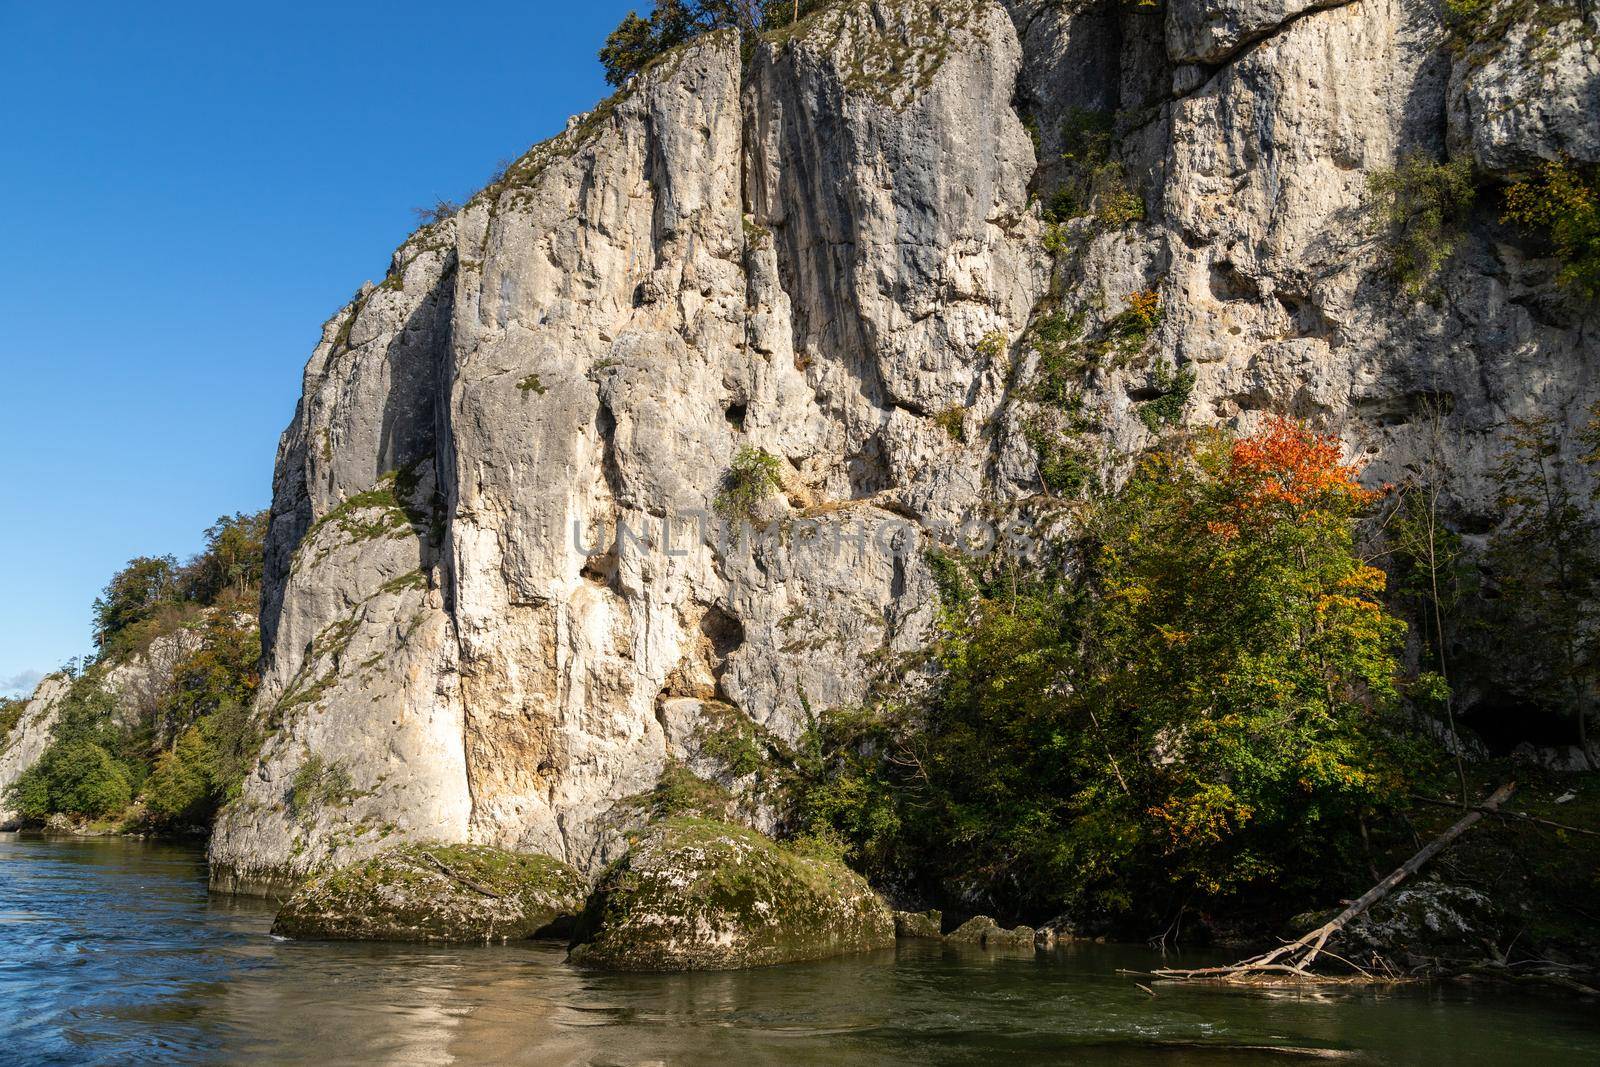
{"x":112,"y":951}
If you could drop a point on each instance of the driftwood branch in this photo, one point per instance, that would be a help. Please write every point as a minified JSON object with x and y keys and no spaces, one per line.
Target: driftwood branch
{"x":1520,"y":816}
{"x":476,"y":887}
{"x":1297,"y":957}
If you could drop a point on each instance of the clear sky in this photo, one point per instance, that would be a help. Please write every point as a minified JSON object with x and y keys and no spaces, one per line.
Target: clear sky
{"x":189,"y":190}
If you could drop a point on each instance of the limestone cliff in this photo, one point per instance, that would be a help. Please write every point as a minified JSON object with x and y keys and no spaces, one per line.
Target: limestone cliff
{"x":834,"y":250}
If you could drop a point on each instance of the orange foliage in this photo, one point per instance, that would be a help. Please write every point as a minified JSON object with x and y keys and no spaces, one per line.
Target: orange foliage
{"x":1285,"y":463}
{"x":1145,"y":307}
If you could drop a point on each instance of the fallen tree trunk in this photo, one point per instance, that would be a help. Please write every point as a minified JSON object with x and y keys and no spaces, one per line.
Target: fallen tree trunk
{"x":1297,"y":956}
{"x":1520,"y":816}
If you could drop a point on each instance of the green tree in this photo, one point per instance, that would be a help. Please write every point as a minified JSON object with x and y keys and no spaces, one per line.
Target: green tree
{"x":637,"y":42}
{"x":76,"y":777}
{"x":224,"y":667}
{"x":1563,"y":200}
{"x":1420,"y":208}
{"x":133,"y":595}
{"x":178,"y":791}
{"x":1201,"y":715}
{"x":231,"y":562}
{"x":1436,"y":577}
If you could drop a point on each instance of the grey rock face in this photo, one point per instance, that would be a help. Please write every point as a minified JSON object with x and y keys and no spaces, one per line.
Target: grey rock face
{"x":29,"y":739}
{"x":1209,"y":31}
{"x":1532,"y":95}
{"x":477,"y":611}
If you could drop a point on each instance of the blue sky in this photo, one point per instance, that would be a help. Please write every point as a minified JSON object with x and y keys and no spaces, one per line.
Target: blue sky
{"x":189,"y":191}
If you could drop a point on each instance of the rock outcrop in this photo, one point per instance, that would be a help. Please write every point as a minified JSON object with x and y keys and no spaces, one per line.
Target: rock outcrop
{"x":28,"y":740}
{"x":696,"y":895}
{"x":498,"y":598}
{"x":983,"y":931}
{"x":918,"y":924}
{"x":138,"y":682}
{"x":447,"y":893}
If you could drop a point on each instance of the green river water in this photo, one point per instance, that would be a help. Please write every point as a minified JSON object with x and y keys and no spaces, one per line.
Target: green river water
{"x":112,"y":951}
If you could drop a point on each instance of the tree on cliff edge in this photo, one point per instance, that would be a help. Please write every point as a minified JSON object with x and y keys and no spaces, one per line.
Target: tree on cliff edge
{"x":636,"y":42}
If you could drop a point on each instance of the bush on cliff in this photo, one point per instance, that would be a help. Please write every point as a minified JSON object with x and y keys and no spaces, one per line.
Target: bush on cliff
{"x":637,"y":42}
{"x":1419,"y":209}
{"x":1563,"y":201}
{"x":11,"y":709}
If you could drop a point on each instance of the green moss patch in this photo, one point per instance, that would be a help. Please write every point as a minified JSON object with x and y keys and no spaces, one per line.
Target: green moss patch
{"x":694,"y":894}
{"x":450,"y":893}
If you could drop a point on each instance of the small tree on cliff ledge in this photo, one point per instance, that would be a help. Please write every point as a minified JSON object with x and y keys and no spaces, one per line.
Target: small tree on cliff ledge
{"x":636,"y":42}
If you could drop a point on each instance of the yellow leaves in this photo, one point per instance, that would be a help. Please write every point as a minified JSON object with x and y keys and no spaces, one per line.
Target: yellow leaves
{"x":1210,"y":814}
{"x":1365,"y":579}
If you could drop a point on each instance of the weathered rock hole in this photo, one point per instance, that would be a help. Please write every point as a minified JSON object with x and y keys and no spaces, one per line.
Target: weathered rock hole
{"x":600,"y":569}
{"x":735,"y":413}
{"x":1504,"y":722}
{"x":1227,"y":283}
{"x":725,"y":633}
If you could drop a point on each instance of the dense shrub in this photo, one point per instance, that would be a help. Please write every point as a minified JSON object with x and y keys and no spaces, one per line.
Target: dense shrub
{"x":223,"y":669}
{"x":1418,"y":209}
{"x":1202,"y":718}
{"x":1563,"y":201}
{"x":178,"y":790}
{"x":75,"y":777}
{"x":754,"y":475}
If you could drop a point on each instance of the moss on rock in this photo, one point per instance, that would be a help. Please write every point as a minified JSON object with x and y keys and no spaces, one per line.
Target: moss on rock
{"x":437,"y":893}
{"x":694,"y":894}
{"x":918,"y":923}
{"x":982,"y":930}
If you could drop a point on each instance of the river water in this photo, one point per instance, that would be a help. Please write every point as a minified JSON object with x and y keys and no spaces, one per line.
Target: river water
{"x":112,"y":951}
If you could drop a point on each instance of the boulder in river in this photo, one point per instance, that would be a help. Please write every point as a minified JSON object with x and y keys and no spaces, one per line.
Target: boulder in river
{"x":982,"y":930}
{"x":458,"y":893}
{"x":694,"y":894}
{"x":911,"y":924}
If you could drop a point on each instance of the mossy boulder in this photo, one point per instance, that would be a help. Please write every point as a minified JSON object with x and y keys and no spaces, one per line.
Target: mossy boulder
{"x":461,"y":893}
{"x":694,"y":894}
{"x":918,"y":924}
{"x":1424,"y":923}
{"x":982,"y":930}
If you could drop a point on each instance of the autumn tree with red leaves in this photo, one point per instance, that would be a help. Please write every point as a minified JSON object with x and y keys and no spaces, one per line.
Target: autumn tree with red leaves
{"x":1200,"y":715}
